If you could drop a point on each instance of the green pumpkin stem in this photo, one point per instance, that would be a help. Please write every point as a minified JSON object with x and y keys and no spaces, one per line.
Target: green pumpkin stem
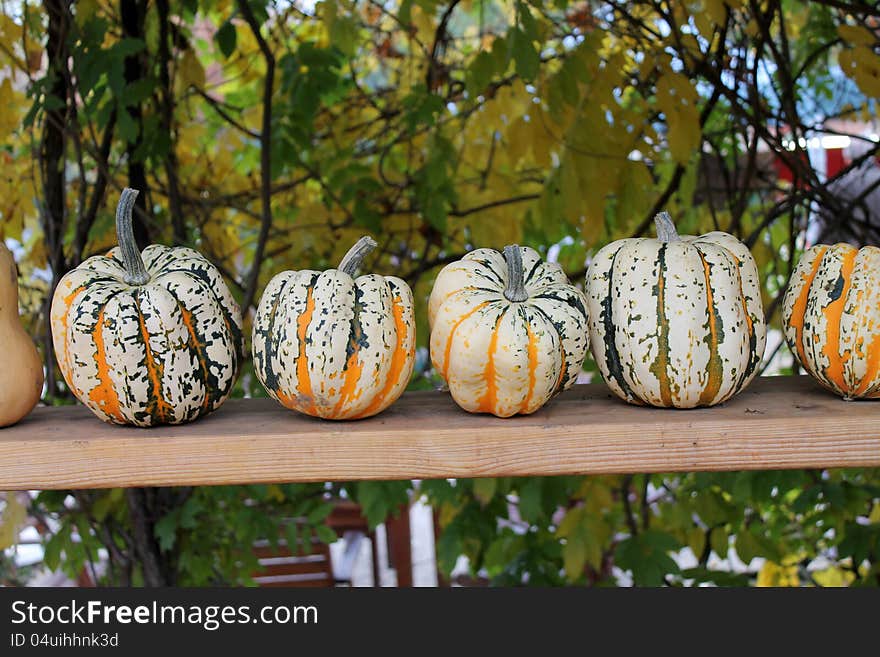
{"x":352,"y":260}
{"x":135,"y":272}
{"x":665,"y":228}
{"x":516,"y":288}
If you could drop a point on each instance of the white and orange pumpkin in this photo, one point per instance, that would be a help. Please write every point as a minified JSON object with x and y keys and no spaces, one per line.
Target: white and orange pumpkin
{"x":831,"y":318}
{"x":146,"y":338}
{"x":676,"y":321}
{"x":334,"y":346}
{"x":508,"y":331}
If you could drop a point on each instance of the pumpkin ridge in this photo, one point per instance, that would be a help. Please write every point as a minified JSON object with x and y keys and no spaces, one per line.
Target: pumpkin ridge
{"x":353,"y":367}
{"x":560,"y":331}
{"x":660,"y":366}
{"x":157,"y":407}
{"x":799,"y":309}
{"x":196,"y":346}
{"x":235,"y":332}
{"x":104,"y":394}
{"x":754,"y":358}
{"x":495,"y":278}
{"x":872,"y":366}
{"x":572,"y":300}
{"x":528,"y":277}
{"x":66,"y":368}
{"x":448,"y":349}
{"x":398,"y":360}
{"x":489,"y":401}
{"x":715,"y":366}
{"x":833,"y":313}
{"x":267,"y":371}
{"x":612,"y":355}
{"x":303,"y":380}
{"x":532,"y":361}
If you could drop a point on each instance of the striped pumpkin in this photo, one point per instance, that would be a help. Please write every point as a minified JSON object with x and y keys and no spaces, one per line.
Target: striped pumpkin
{"x":333,"y":346}
{"x":831,"y":318}
{"x":146,"y":338}
{"x":508,"y":332}
{"x":676,"y":321}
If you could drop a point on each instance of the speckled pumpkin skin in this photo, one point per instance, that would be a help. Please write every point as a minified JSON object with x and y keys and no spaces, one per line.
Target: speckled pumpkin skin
{"x":499,"y":356}
{"x":165,"y":352}
{"x":676,"y":324}
{"x":831,"y":318}
{"x":332,"y":346}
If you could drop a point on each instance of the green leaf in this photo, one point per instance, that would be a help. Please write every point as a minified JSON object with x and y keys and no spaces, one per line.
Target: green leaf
{"x":530,"y":500}
{"x":484,"y":489}
{"x":226,"y":38}
{"x":646,"y":555}
{"x":719,"y":540}
{"x":525,"y":56}
{"x":479,"y":73}
{"x":291,"y":535}
{"x":166,"y":530}
{"x":325,"y":534}
{"x":52,"y":551}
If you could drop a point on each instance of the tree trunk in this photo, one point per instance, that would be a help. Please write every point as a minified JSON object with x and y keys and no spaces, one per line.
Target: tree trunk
{"x":133,"y":14}
{"x":52,"y":164}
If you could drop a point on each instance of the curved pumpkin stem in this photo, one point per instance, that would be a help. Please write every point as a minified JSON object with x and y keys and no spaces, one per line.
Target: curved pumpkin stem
{"x":665,"y":228}
{"x":516,"y":288}
{"x":352,"y":260}
{"x":135,"y":272}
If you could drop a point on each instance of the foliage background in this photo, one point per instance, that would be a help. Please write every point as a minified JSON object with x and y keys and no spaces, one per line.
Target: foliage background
{"x":270,"y":135}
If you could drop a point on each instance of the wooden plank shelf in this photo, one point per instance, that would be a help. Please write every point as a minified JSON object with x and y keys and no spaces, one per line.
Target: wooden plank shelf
{"x":777,"y":423}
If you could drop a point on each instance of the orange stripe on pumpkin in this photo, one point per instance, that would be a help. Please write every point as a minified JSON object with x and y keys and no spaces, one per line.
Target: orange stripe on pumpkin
{"x":198,"y":346}
{"x":799,"y":309}
{"x":353,"y":370}
{"x":448,"y":351}
{"x":104,"y":394}
{"x":398,"y":361}
{"x":304,"y":399}
{"x":158,"y":408}
{"x":714,"y":368}
{"x":490,"y":399}
{"x":833,"y":313}
{"x":533,"y":366}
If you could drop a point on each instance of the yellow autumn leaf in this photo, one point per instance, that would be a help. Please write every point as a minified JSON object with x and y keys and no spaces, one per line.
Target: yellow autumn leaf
{"x":191,"y":71}
{"x":9,"y":105}
{"x":863,"y":66}
{"x":833,"y":577}
{"x":773,"y":574}
{"x":856,"y":35}
{"x":13,"y":518}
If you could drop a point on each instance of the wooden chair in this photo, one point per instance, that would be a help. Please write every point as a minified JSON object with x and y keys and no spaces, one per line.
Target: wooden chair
{"x":283,"y":567}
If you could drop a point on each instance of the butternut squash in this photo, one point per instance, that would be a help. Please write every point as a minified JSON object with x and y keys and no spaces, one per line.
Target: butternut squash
{"x":21,"y":369}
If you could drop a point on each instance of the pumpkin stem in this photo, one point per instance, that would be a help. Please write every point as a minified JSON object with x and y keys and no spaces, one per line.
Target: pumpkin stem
{"x":665,"y":228}
{"x":352,"y":260}
{"x":516,"y":289}
{"x":135,"y":272}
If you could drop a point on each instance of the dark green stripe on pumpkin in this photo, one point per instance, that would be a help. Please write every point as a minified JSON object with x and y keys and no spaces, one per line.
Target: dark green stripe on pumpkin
{"x":612,"y":356}
{"x":660,"y":367}
{"x":262,"y":358}
{"x":197,"y":346}
{"x":157,"y":408}
{"x":714,"y":335}
{"x":232,"y":327}
{"x":560,"y":331}
{"x":754,"y":356}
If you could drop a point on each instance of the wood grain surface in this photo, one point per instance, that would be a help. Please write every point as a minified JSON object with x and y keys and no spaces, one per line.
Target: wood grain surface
{"x":777,"y":423}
